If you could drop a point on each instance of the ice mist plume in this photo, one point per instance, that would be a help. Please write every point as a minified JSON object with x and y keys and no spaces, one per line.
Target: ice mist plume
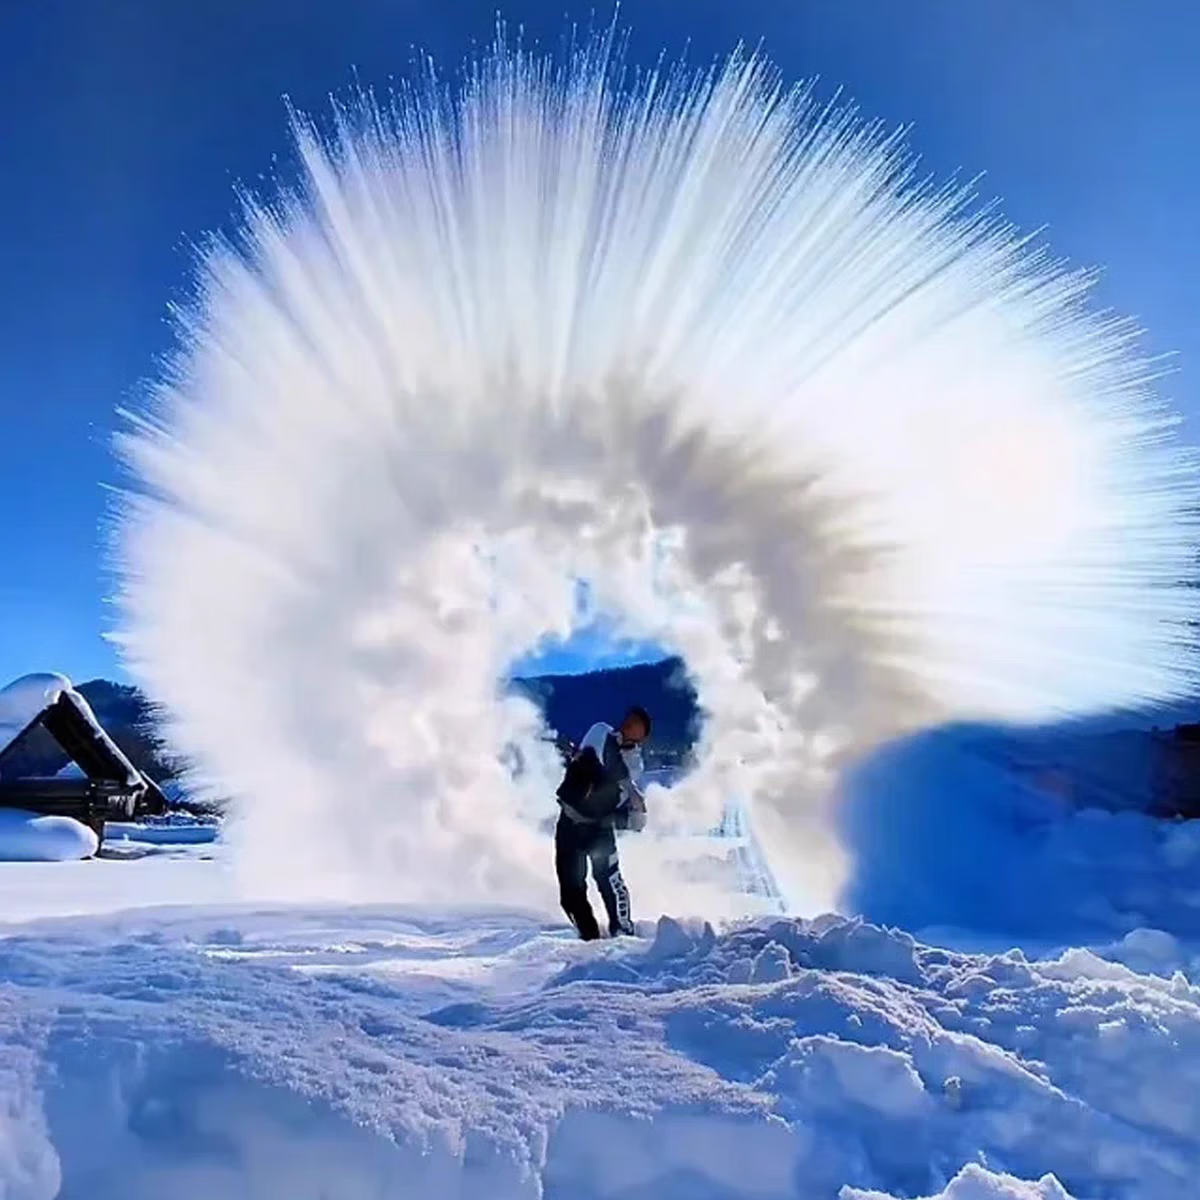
{"x":843,"y":439}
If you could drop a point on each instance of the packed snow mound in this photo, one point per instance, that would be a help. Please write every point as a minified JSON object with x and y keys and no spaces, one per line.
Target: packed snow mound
{"x":24,"y":699}
{"x":943,"y":834}
{"x":32,"y":837}
{"x":401,"y":1054}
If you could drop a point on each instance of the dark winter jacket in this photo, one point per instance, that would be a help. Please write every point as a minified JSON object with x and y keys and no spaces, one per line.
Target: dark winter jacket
{"x":598,"y":788}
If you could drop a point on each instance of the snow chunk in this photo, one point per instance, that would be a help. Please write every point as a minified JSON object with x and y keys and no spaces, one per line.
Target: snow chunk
{"x":673,"y":940}
{"x":974,"y":1183}
{"x":837,"y":1073}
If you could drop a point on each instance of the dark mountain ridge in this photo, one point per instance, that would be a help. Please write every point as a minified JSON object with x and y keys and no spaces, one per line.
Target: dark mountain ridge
{"x":571,"y":703}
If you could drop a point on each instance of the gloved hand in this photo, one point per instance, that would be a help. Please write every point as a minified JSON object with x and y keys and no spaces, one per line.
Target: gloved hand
{"x":632,"y":814}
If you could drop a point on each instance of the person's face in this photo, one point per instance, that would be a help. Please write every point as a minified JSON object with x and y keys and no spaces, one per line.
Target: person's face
{"x":633,"y":732}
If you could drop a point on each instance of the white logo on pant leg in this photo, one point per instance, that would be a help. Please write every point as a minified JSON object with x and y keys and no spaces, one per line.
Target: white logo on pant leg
{"x":621,"y":892}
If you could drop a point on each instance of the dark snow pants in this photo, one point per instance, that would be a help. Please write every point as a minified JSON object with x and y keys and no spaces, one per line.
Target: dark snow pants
{"x":575,"y":846}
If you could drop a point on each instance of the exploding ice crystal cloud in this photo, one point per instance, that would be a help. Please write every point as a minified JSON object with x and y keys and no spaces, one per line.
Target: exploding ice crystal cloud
{"x":844,"y":440}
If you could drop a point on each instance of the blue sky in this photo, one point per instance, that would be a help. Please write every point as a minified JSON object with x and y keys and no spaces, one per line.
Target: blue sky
{"x":127,"y":123}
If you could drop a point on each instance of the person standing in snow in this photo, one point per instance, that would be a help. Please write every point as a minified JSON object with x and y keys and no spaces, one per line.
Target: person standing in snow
{"x":600,"y":793}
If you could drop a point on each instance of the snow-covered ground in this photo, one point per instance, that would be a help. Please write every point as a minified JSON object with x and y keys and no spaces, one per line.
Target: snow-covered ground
{"x":184,"y":1046}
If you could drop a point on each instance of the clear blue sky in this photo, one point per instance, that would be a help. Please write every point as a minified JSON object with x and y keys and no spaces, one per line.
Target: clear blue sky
{"x":124,"y":125}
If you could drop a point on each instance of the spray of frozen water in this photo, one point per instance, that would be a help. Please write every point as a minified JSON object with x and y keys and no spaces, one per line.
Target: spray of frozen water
{"x":846,"y":442}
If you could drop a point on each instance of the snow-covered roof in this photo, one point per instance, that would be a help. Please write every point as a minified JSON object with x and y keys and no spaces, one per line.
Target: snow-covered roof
{"x":25,"y":699}
{"x":111,"y":750}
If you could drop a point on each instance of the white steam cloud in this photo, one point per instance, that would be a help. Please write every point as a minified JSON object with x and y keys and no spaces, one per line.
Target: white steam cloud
{"x":852,"y":447}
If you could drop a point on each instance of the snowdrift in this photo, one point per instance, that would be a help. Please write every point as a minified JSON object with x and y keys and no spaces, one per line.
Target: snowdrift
{"x":34,"y":837}
{"x":400,"y":1054}
{"x":943,"y":831}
